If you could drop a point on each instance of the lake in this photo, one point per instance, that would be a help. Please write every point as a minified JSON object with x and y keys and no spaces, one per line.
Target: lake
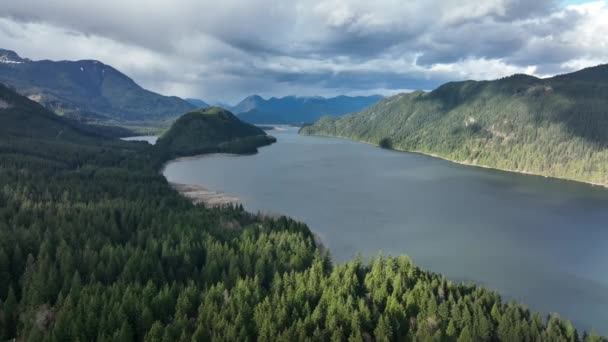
{"x":536,"y":240}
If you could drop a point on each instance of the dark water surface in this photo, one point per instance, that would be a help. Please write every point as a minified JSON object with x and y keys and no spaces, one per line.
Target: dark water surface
{"x":535,"y":240}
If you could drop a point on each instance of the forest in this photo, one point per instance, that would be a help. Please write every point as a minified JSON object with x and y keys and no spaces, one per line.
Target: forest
{"x":96,"y":246}
{"x":551,"y":127}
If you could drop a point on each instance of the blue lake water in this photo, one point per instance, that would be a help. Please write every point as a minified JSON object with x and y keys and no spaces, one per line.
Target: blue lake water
{"x":540,"y":241}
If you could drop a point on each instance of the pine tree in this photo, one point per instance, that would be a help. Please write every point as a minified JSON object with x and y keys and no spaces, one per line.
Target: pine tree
{"x":383,"y":331}
{"x":144,"y":322}
{"x":5,"y":276}
{"x":75,"y":285}
{"x":11,"y":314}
{"x":200,"y":334}
{"x":156,"y":332}
{"x":465,"y":335}
{"x":450,"y":331}
{"x":495,"y":312}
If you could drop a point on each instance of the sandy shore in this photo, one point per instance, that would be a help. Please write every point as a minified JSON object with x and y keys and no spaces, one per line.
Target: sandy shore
{"x":199,"y":194}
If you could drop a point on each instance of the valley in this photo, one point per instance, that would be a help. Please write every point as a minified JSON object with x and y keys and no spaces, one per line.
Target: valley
{"x":88,"y":225}
{"x":135,"y":215}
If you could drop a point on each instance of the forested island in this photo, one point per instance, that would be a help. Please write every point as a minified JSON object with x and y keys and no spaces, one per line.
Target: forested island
{"x":210,"y":130}
{"x":553,"y":127}
{"x":95,"y":245}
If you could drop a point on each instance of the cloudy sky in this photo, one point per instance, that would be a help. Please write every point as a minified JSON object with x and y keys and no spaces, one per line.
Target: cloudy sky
{"x":223,"y":50}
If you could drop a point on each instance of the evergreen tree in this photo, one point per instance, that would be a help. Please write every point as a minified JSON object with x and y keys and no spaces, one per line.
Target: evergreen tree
{"x":465,"y":335}
{"x":383,"y":331}
{"x":156,"y":332}
{"x":10,"y":315}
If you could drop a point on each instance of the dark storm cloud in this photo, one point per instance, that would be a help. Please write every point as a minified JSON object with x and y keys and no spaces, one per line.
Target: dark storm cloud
{"x":225,"y":50}
{"x":477,"y":40}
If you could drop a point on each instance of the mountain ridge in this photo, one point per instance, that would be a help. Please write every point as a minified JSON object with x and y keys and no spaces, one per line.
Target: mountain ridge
{"x":198,"y":103}
{"x":298,"y":109}
{"x":86,"y":89}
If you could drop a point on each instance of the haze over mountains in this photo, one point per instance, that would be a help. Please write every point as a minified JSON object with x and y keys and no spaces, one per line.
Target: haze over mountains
{"x":297,"y":110}
{"x":197,"y":103}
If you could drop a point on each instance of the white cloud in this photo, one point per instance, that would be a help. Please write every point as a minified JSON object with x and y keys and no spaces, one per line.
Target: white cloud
{"x":224,"y":50}
{"x":592,"y":35}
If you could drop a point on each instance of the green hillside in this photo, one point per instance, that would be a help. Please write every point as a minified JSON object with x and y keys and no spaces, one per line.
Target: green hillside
{"x":554,"y":127}
{"x":96,"y":246}
{"x":211,"y":130}
{"x":27,"y":119}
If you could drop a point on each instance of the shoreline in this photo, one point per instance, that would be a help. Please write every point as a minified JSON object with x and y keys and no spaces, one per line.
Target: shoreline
{"x":428,"y":154}
{"x":194,"y":157}
{"x":198,"y":194}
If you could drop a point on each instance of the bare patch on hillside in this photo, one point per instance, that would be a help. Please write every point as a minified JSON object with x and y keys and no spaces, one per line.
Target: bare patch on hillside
{"x":35,"y":97}
{"x":504,"y":136}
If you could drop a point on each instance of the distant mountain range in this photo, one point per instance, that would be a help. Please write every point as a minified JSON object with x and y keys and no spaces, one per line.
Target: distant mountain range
{"x":554,"y":127}
{"x":91,"y":91}
{"x":88,"y":90}
{"x":298,"y":110}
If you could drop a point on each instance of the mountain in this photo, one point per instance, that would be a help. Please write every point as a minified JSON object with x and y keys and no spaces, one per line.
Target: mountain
{"x":257,"y":117}
{"x":197,"y":103}
{"x":249,"y":103}
{"x":86,"y":89}
{"x":32,"y":137}
{"x":221,"y":104}
{"x":21,"y":117}
{"x":210,"y":130}
{"x":554,"y":127}
{"x":297,"y":110}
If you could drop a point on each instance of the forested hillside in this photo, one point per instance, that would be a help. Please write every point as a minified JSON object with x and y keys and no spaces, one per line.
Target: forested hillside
{"x":94,"y":245}
{"x":555,"y":127}
{"x":210,"y":130}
